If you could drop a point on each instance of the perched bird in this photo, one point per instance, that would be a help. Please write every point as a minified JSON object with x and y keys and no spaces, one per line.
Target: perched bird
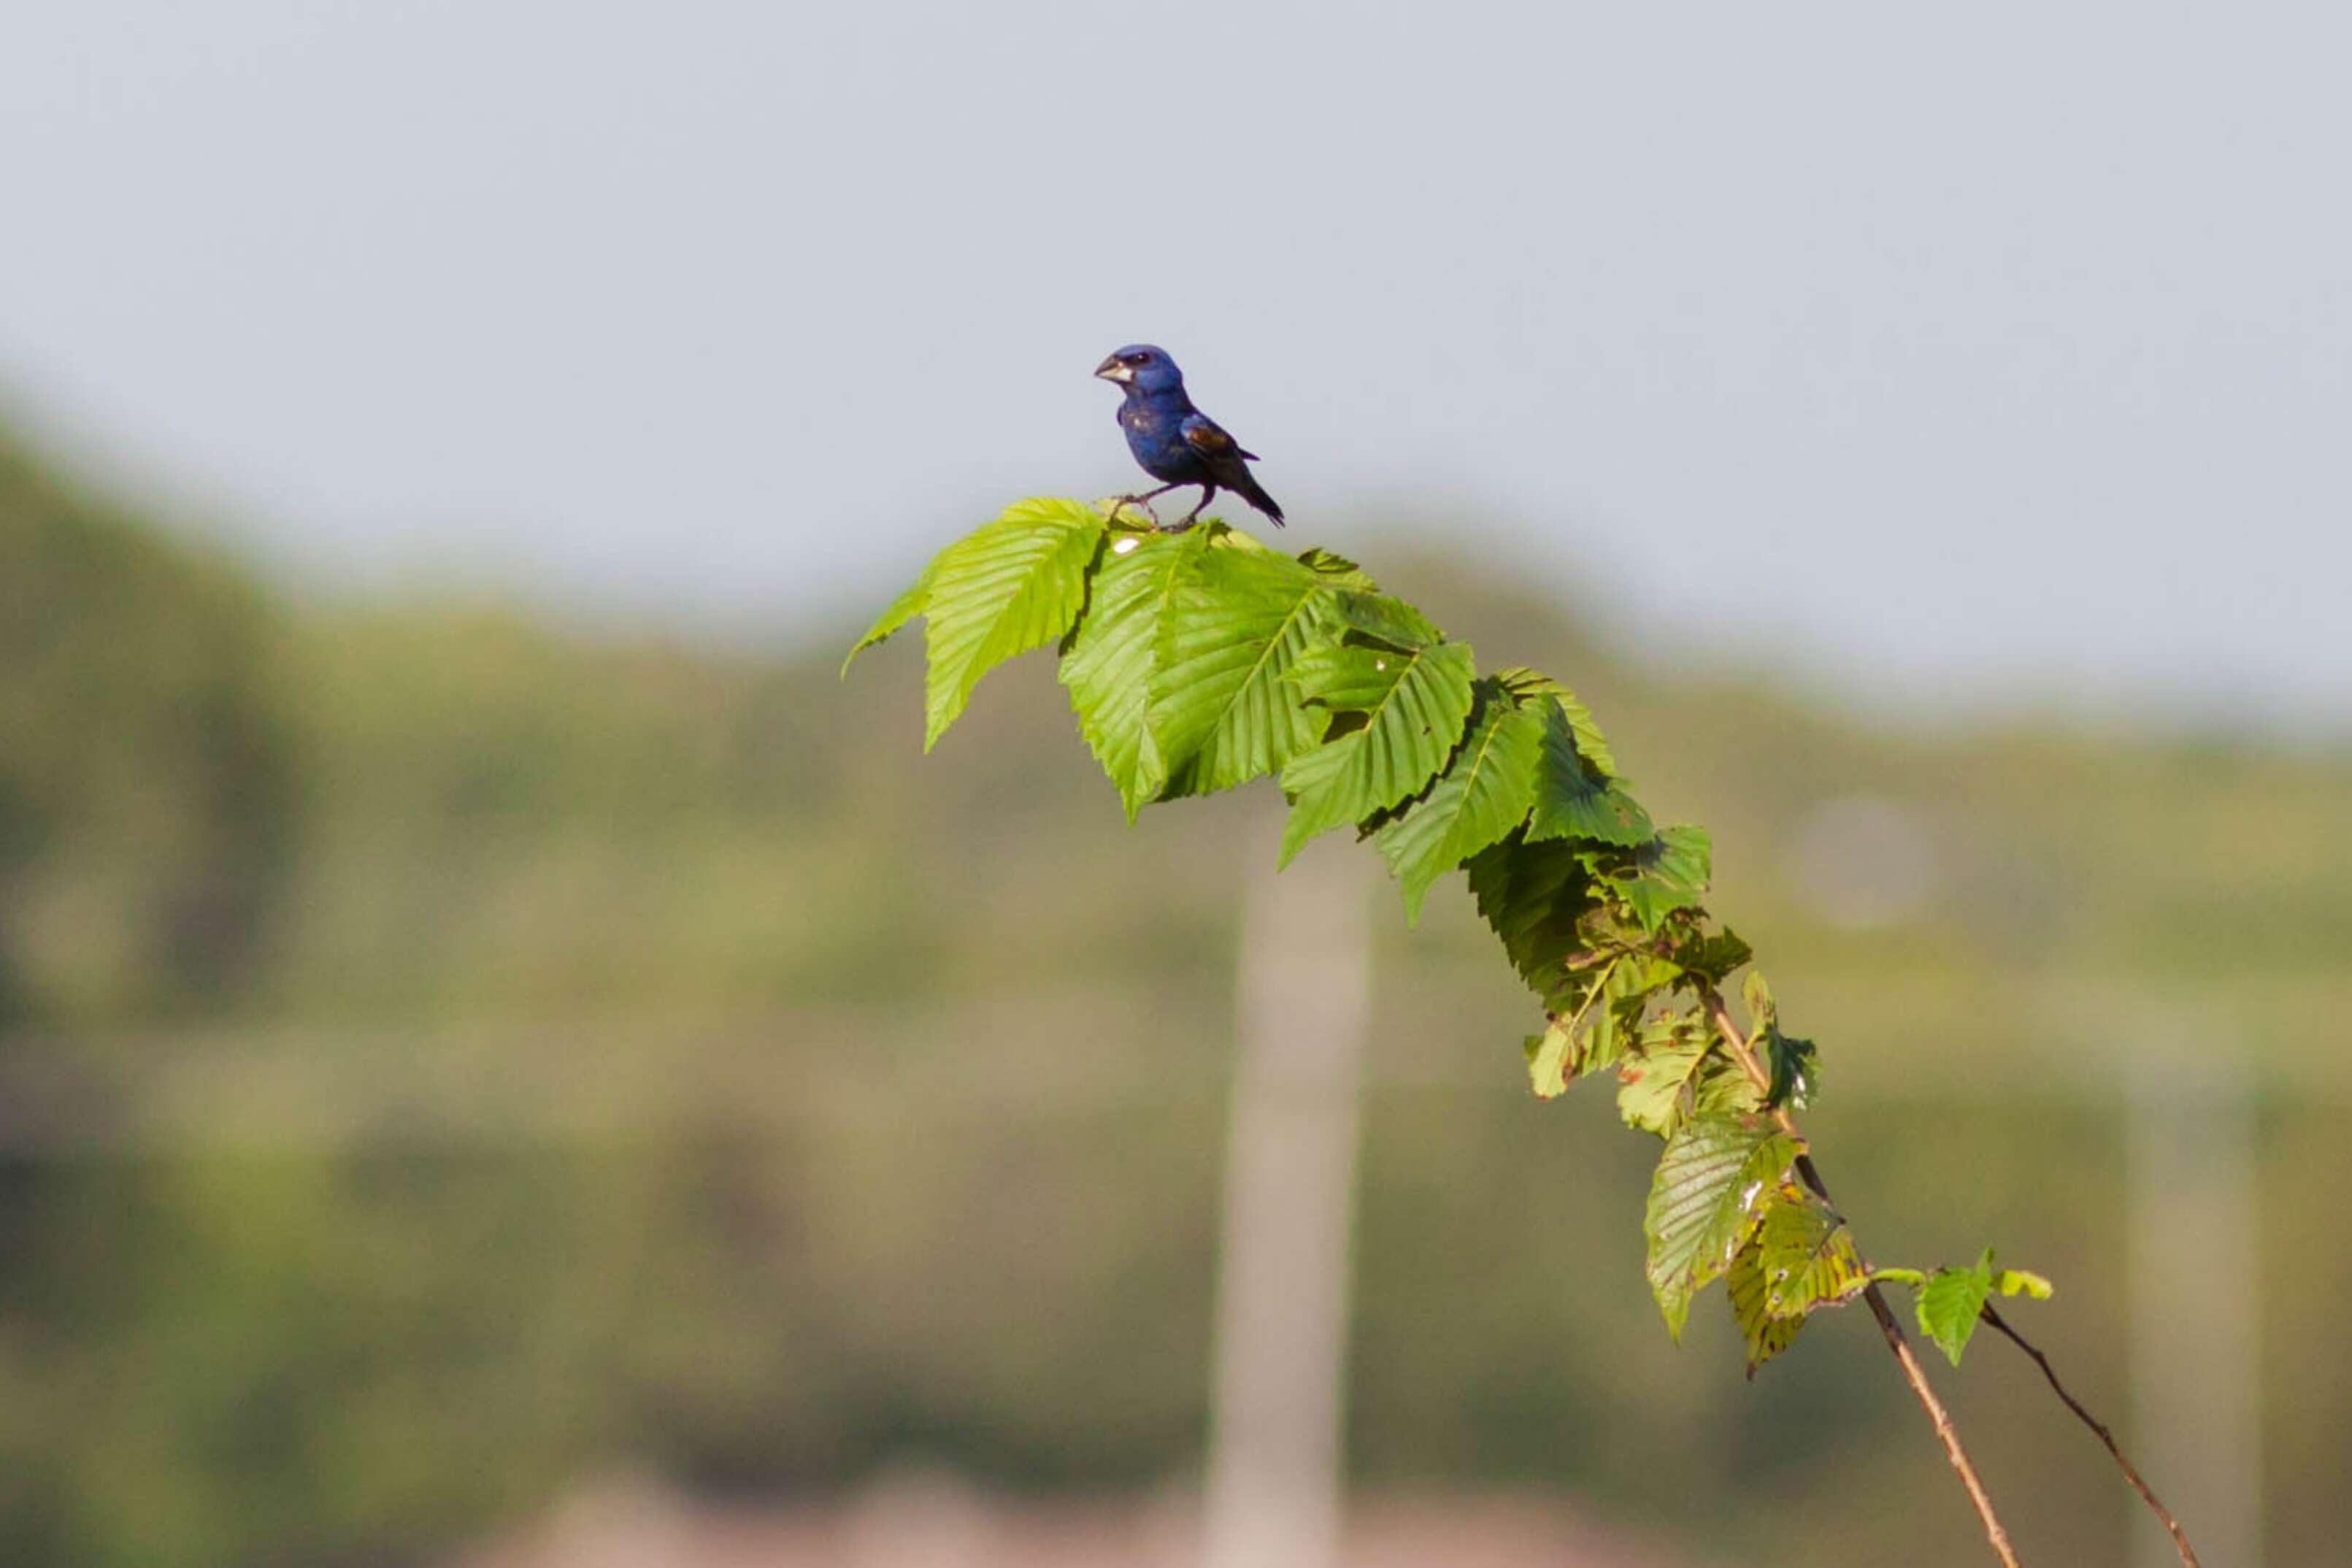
{"x":1174,"y":441}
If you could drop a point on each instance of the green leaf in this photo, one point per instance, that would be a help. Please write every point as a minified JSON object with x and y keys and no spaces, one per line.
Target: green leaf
{"x":1108,"y":669}
{"x":1668,"y":873}
{"x":1416,"y":705}
{"x":1949,"y":1302}
{"x":1795,"y":1066}
{"x":1766,"y":1334}
{"x":1526,"y":685}
{"x":1808,"y":1254}
{"x":1219,"y":710}
{"x":1723,"y":1088}
{"x":903,"y":608}
{"x":1605,"y":998}
{"x":1712,"y":958}
{"x":1796,"y":1257}
{"x":1387,"y":619}
{"x":1548,"y":1062}
{"x":1011,"y":584}
{"x":1705,"y":1189}
{"x":1533,"y":895}
{"x":1654,"y":1078}
{"x":1481,"y":797}
{"x":1573,"y":801}
{"x":2023,"y":1282}
{"x":1341,"y":572}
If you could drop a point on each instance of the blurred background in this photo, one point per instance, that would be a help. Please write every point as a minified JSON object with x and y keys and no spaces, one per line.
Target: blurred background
{"x":507,"y":1062}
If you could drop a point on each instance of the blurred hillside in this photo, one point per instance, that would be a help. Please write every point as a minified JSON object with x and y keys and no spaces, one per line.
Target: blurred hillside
{"x":146,"y":804}
{"x":451,"y":1053}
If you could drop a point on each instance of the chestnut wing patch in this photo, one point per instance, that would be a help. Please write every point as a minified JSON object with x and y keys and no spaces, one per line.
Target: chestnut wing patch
{"x":1211,"y":441}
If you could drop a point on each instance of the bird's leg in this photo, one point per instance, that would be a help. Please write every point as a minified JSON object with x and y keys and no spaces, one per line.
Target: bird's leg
{"x":1208,"y":494}
{"x":1143,"y":500}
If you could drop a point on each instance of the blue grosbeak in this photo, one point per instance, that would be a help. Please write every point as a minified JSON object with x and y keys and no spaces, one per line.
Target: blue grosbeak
{"x":1174,"y":441}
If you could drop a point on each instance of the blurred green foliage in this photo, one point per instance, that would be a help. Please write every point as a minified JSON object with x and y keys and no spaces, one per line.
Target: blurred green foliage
{"x":144,"y":800}
{"x":620,"y":1052}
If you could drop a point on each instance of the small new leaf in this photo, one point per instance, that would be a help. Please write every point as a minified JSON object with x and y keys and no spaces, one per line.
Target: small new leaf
{"x":1949,"y":1302}
{"x":2023,"y":1282}
{"x":1547,"y":1061}
{"x":1337,"y":570}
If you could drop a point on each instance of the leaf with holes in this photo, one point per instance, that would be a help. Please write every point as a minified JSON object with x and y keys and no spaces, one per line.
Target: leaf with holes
{"x":1808,"y":1254}
{"x":1765,"y":1334}
{"x":1414,"y":706}
{"x":1548,"y":1061}
{"x":1603,"y":1000}
{"x":1701,"y":1198}
{"x":1652,"y":1079}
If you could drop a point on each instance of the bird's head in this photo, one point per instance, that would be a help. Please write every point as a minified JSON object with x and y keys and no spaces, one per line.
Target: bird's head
{"x":1142,"y":367}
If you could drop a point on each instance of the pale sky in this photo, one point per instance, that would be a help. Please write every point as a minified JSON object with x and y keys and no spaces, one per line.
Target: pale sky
{"x":1994,"y":354}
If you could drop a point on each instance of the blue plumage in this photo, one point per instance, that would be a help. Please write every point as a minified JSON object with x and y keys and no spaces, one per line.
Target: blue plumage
{"x":1175,"y":442}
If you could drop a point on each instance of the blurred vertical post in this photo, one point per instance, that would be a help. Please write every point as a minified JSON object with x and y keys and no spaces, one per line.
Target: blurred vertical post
{"x":1273,"y":1495}
{"x":2196,"y":1297}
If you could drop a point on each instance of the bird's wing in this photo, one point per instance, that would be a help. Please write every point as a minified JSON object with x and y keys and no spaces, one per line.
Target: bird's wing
{"x":1206,"y":436}
{"x":1221,"y":457}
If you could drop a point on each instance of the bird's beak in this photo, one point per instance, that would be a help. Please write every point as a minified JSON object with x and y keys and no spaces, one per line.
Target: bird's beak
{"x":1111,"y":370}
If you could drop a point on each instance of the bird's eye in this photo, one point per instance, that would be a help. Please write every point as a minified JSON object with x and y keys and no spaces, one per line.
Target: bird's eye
{"x":1135,"y":359}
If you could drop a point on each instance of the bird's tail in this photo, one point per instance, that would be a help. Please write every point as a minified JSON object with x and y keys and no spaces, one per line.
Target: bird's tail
{"x":1247,"y":486}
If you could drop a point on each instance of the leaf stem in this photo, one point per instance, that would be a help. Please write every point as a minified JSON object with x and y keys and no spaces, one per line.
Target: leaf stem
{"x":2171,"y":1525}
{"x":1913,"y":1373}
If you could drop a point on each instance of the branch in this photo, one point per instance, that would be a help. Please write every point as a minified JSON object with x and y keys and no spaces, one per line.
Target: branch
{"x":1992,"y":1317}
{"x":1913,"y":1372}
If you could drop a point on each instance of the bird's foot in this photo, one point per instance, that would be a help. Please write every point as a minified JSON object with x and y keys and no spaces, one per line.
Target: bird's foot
{"x":1141,"y":504}
{"x":1182,"y":525}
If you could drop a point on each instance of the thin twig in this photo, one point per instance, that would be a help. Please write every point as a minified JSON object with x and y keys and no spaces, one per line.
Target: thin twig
{"x":2172,"y":1526}
{"x":1913,"y":1372}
